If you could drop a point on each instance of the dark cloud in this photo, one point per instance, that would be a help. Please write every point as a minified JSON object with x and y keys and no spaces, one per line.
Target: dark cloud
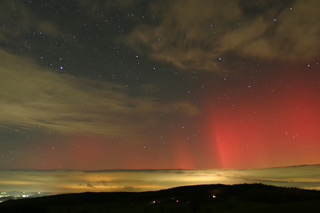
{"x":17,"y":20}
{"x":197,"y":35}
{"x":277,"y":34}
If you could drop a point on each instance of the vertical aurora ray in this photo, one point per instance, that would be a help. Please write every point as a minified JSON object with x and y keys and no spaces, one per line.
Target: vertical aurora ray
{"x":271,"y":129}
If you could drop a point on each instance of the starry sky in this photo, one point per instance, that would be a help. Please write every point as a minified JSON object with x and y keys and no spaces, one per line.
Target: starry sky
{"x":148,"y":84}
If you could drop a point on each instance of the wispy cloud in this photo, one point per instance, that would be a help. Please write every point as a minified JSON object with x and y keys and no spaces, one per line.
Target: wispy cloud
{"x":33,"y":97}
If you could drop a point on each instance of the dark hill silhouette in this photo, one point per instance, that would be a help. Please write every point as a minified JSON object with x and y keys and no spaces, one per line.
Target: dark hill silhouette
{"x":199,"y":198}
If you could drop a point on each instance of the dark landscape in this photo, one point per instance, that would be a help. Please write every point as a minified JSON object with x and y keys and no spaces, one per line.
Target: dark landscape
{"x":200,"y":198}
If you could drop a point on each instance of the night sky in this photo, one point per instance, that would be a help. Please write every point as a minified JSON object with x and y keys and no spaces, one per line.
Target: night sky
{"x":149,"y":84}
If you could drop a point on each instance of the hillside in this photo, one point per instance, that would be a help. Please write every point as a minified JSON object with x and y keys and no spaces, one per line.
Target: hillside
{"x":200,"y":198}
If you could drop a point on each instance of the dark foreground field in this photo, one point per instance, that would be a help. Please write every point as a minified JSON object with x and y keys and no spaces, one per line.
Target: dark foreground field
{"x":202,"y":198}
